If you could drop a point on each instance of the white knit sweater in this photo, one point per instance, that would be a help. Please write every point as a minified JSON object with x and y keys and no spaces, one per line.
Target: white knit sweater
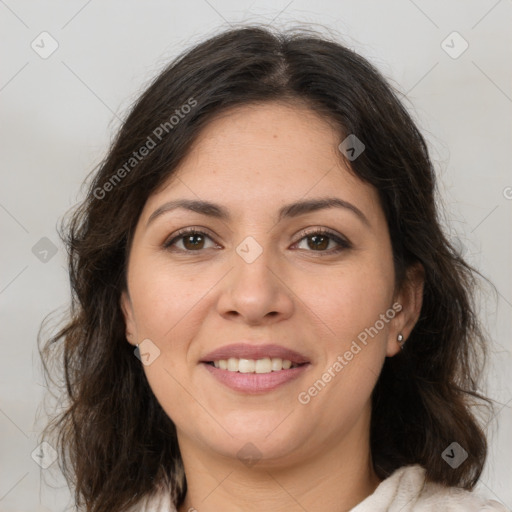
{"x":403,"y":491}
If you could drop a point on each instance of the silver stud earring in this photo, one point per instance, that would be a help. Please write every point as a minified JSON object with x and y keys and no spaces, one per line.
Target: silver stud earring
{"x":400,"y":340}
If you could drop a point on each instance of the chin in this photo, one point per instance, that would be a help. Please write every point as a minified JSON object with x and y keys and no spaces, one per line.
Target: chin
{"x":264,"y":454}
{"x":265,"y":441}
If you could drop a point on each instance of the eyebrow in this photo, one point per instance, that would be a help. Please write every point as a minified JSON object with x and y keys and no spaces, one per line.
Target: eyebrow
{"x":290,"y":210}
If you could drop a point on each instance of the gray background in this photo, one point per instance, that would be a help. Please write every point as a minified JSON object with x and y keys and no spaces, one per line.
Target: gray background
{"x":60,"y":112}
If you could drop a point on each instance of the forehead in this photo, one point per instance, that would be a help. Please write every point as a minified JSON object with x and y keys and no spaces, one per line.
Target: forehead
{"x":276,"y":127}
{"x":265,"y":154}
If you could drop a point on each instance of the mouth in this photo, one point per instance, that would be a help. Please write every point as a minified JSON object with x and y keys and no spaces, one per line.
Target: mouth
{"x":254,"y":369}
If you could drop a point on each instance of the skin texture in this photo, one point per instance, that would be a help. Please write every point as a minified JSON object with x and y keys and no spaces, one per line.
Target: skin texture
{"x":253,"y":160}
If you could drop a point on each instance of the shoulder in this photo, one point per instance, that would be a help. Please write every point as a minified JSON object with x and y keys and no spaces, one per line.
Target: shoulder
{"x":454,"y":499}
{"x":407,"y":491}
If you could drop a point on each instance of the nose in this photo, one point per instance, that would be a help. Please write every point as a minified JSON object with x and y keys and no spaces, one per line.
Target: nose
{"x":256,"y":290}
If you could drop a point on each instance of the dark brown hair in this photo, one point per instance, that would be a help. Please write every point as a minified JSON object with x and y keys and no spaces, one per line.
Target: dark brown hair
{"x":116,"y":444}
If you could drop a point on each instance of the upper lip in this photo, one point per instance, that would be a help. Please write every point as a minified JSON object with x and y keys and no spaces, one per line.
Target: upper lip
{"x":250,"y":351}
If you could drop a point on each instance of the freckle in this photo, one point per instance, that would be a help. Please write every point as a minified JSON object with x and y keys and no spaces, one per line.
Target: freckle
{"x":275,"y":136}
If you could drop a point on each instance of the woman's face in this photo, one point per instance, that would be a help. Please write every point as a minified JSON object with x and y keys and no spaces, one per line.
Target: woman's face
{"x":260,"y":276}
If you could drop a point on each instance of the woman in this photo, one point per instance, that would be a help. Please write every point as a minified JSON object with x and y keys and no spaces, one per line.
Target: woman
{"x":266,"y":312}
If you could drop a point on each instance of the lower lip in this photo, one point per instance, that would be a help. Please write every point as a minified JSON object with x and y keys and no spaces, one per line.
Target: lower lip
{"x":255,"y":383}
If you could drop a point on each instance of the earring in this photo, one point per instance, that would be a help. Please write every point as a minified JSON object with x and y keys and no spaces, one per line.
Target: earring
{"x":401,"y":341}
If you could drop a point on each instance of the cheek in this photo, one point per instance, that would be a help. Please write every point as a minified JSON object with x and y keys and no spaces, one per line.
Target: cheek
{"x":163,"y":298}
{"x":355,"y":312}
{"x":353,"y":338}
{"x":351,"y":300}
{"x":167,"y":305}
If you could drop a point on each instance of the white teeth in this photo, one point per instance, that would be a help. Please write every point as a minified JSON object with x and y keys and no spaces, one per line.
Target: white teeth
{"x":265,"y":365}
{"x":246,"y":365}
{"x":277,"y":364}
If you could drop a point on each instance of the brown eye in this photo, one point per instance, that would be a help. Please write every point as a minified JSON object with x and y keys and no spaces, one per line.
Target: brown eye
{"x":191,"y":239}
{"x":318,"y":241}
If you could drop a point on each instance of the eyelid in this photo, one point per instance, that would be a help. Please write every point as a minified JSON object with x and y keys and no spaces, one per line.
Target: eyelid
{"x":323,"y":231}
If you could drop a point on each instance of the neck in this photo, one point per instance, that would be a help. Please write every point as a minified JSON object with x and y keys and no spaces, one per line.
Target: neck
{"x":338,"y":477}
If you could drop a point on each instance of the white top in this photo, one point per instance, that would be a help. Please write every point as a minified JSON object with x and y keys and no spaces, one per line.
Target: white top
{"x":403,"y":491}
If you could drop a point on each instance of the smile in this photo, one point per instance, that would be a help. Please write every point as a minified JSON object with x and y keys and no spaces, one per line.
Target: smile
{"x":264,"y":365}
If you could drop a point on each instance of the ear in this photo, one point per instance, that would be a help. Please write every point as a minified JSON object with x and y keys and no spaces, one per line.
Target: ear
{"x":410,"y":298}
{"x":129,"y":318}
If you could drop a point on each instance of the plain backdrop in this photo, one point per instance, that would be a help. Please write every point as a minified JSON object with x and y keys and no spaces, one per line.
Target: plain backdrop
{"x":60,"y":110}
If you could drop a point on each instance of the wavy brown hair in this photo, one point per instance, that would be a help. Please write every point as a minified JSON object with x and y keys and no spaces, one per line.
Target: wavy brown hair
{"x":116,"y":445}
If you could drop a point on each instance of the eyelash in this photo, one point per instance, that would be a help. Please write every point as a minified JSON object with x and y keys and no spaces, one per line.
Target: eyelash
{"x":342,"y":244}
